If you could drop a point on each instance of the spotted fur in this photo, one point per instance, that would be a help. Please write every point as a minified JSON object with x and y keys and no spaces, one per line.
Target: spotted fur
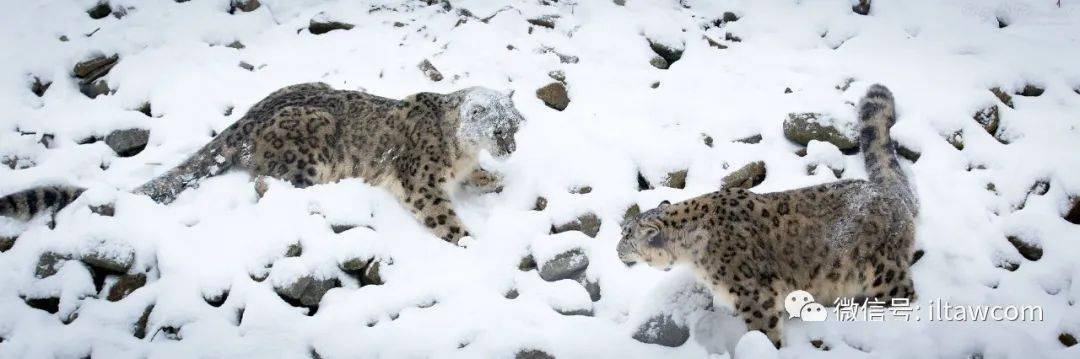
{"x":420,"y":148}
{"x":849,"y":238}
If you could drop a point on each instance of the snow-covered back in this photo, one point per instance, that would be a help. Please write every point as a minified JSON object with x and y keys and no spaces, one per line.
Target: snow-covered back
{"x":625,"y":116}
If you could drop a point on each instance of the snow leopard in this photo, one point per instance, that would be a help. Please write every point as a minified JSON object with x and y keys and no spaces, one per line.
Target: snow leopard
{"x":850,"y":238}
{"x":422,"y":149}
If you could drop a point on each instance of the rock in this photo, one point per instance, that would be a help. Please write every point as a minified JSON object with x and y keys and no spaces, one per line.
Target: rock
{"x":6,"y":243}
{"x":750,"y":140}
{"x":535,"y":353}
{"x":554,"y":95}
{"x":619,"y":2}
{"x":1073,"y":215}
{"x":243,"y":5}
{"x":588,"y":312}
{"x":547,"y":21}
{"x":581,"y":190}
{"x":909,"y":154}
{"x":707,"y":140}
{"x":670,"y":54}
{"x":1030,"y":251}
{"x":236,"y":45}
{"x":145,"y":109}
{"x":1004,"y":97}
{"x":747,"y":177}
{"x":587,"y":223}
{"x":862,"y":8}
{"x":47,"y":140}
{"x":371,"y":274}
{"x":354,"y":265}
{"x":319,"y":27}
{"x":1002,"y":23}
{"x":819,"y":344}
{"x":662,"y":330}
{"x":845,"y":84}
{"x":246,"y":66}
{"x":342,"y":228}
{"x":306,"y":291}
{"x":659,"y":62}
{"x":787,"y":90}
{"x":1031,"y":91}
{"x":294,"y":250}
{"x":94,"y":68}
{"x":655,"y":84}
{"x":642,"y":182}
{"x":803,"y":127}
{"x":125,"y":285}
{"x":430,"y":71}
{"x":217,"y":299}
{"x":631,"y":212}
{"x":591,"y":287}
{"x":731,"y":37}
{"x":540,"y":204}
{"x":729,"y":17}
{"x":566,"y":265}
{"x":114,"y":258}
{"x":956,"y":140}
{"x":714,"y":43}
{"x":105,"y":210}
{"x":129,"y":142}
{"x":139,"y":328}
{"x":38,"y":87}
{"x":49,"y":263}
{"x":557,"y":75}
{"x":1008,"y":265}
{"x":527,"y":263}
{"x":100,"y":11}
{"x":49,"y":304}
{"x":95,"y":89}
{"x":1067,"y":339}
{"x":676,"y":179}
{"x":512,"y":294}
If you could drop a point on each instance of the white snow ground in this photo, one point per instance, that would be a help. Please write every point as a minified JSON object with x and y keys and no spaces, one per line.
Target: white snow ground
{"x":939,"y":58}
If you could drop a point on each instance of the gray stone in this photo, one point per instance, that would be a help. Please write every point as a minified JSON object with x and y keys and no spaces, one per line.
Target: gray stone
{"x":306,"y":291}
{"x":862,"y":8}
{"x":581,"y":189}
{"x":236,"y":45}
{"x":430,"y":71}
{"x":554,"y":95}
{"x":557,"y":75}
{"x":94,"y":68}
{"x":7,"y":242}
{"x":39,"y":87}
{"x":565,"y":265}
{"x":319,"y":27}
{"x":804,"y":127}
{"x":662,"y":330}
{"x":676,"y":179}
{"x":588,"y":312}
{"x":243,"y":5}
{"x":1031,"y":251}
{"x":988,"y":118}
{"x":95,"y":89}
{"x":1004,"y":97}
{"x":371,"y":274}
{"x":139,"y":328}
{"x":659,"y":62}
{"x":294,"y":250}
{"x":540,"y":204}
{"x":534,"y":353}
{"x":49,"y":263}
{"x":631,"y":212}
{"x":100,"y":11}
{"x":246,"y":66}
{"x":356,"y":265}
{"x":527,"y":263}
{"x":1073,"y":215}
{"x":116,"y":259}
{"x":750,"y":139}
{"x":1030,"y":90}
{"x":587,"y":223}
{"x":669,"y":53}
{"x":129,"y":142}
{"x":956,"y":140}
{"x":909,"y":154}
{"x":547,"y":21}
{"x":747,"y":177}
{"x":125,"y":285}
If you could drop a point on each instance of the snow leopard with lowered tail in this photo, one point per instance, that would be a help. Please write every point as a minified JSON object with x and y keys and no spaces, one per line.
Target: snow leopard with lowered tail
{"x":421,"y":149}
{"x":850,"y":238}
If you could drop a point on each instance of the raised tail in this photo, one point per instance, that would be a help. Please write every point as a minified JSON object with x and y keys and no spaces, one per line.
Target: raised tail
{"x":877,"y":113}
{"x":25,"y":204}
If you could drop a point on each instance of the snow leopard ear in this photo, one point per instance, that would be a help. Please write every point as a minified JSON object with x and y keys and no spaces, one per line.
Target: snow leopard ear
{"x":663,"y":204}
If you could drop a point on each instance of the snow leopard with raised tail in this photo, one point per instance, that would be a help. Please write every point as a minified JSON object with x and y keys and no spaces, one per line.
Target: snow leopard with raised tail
{"x":421,"y":149}
{"x":850,"y":238}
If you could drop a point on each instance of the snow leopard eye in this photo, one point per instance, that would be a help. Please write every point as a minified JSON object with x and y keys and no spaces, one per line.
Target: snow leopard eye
{"x":477,"y":111}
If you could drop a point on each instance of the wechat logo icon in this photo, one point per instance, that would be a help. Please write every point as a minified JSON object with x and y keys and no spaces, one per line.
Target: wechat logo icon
{"x":800,"y":304}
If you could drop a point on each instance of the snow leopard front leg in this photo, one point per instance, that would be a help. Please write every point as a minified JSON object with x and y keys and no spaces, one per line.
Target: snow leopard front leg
{"x":423,"y":192}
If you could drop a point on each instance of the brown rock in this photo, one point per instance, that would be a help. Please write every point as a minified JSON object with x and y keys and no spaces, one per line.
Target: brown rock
{"x":747,"y":177}
{"x":862,"y":8}
{"x":554,"y":95}
{"x":95,"y":68}
{"x":1004,"y":97}
{"x":319,"y":27}
{"x":988,"y":118}
{"x":804,"y":127}
{"x":125,"y":285}
{"x":676,"y":179}
{"x":587,"y":223}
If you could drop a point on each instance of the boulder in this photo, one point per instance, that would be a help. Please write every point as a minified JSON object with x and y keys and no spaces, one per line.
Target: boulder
{"x":39,"y":87}
{"x":554,"y":95}
{"x":662,"y":330}
{"x":125,"y":285}
{"x":95,"y":88}
{"x":430,"y":71}
{"x":117,"y":259}
{"x":1031,"y":251}
{"x":1030,"y":90}
{"x":547,"y":21}
{"x":670,"y":54}
{"x":566,"y":265}
{"x":94,"y":68}
{"x":322,"y":26}
{"x":6,"y":242}
{"x":540,"y":204}
{"x":988,"y":118}
{"x":100,"y":10}
{"x":49,"y":263}
{"x":243,"y":5}
{"x":128,"y":142}
{"x":587,"y":223}
{"x":747,"y":177}
{"x":306,"y":291}
{"x":862,"y":7}
{"x":803,"y":127}
{"x":676,"y":179}
{"x":1004,"y":97}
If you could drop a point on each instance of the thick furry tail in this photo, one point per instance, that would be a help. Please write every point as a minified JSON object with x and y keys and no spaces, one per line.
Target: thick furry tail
{"x":25,"y":204}
{"x":214,"y":158}
{"x":877,"y":113}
